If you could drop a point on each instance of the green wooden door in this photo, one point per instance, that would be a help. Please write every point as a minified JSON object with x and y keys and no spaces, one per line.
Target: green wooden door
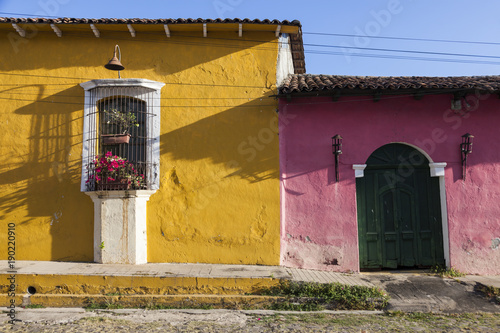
{"x":399,"y":214}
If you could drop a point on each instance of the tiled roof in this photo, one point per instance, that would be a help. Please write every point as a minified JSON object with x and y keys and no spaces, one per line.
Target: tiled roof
{"x":305,"y":83}
{"x":296,"y":39}
{"x":69,"y":20}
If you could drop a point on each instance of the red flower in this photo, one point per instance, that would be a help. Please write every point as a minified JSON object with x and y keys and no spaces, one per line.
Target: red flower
{"x":114,"y":168}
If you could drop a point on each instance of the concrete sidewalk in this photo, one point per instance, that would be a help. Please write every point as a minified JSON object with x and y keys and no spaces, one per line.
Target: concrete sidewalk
{"x":183,"y":270}
{"x":418,"y":291}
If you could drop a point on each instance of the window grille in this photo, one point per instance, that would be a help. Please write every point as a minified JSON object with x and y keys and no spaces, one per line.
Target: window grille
{"x":115,"y":110}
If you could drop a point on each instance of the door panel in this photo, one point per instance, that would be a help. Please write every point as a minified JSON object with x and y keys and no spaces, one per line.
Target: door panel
{"x":389,"y":222}
{"x":406,"y":214}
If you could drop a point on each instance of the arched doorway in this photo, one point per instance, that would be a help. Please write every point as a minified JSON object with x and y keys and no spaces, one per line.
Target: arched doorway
{"x":399,"y":210}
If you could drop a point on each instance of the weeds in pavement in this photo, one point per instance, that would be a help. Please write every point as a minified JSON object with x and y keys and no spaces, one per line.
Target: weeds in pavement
{"x":310,"y":296}
{"x":34,"y":306}
{"x":158,"y":307}
{"x":491,"y":292}
{"x":390,"y":321}
{"x":446,"y":272}
{"x":95,"y":319}
{"x":413,"y":316}
{"x":113,"y":294}
{"x":107,"y":304}
{"x":177,"y":306}
{"x":297,"y":306}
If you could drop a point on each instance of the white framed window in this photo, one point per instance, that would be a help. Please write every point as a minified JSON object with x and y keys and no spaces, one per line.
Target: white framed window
{"x":137,"y":99}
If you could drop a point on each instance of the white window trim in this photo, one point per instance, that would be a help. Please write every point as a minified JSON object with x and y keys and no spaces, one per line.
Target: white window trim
{"x":153,"y":147}
{"x":359,"y":170}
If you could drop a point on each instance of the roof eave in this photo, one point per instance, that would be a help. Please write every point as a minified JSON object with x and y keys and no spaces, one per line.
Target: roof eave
{"x":349,"y":92}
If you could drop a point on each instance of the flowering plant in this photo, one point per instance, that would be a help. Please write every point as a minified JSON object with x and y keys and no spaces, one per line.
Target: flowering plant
{"x":124,"y":120}
{"x":111,"y":169}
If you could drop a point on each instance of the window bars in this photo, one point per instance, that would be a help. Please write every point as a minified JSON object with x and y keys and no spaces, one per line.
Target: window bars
{"x":119,"y":154}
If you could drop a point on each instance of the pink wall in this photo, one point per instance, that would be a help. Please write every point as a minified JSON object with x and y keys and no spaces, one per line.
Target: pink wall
{"x":319,"y":223}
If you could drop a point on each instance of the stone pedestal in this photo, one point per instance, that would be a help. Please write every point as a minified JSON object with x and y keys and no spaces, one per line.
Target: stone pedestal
{"x":120,"y":226}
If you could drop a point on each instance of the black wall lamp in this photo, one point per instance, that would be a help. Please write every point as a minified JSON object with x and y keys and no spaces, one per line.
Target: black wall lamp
{"x":466,"y":149}
{"x":114,"y":63}
{"x":337,"y":150}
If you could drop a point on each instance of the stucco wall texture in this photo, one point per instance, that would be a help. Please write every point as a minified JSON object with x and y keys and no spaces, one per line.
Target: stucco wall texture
{"x":319,"y":219}
{"x":218,"y":200}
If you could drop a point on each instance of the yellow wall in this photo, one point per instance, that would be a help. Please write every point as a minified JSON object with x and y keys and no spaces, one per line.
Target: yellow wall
{"x":218,"y":200}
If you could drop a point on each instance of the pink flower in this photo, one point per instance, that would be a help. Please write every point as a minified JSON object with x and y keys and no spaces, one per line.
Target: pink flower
{"x":111,"y":179}
{"x":112,"y":167}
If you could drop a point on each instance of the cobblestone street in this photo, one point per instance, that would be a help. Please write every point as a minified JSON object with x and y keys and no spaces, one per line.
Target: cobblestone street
{"x":263,"y":321}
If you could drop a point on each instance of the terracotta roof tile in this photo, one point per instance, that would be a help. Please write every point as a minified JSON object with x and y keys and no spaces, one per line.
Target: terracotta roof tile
{"x":69,"y":20}
{"x":303,"y":83}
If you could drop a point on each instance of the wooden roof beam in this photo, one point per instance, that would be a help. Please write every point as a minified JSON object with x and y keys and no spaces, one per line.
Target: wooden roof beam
{"x":131,"y":29}
{"x":336,"y":95}
{"x":278,"y":29}
{"x":418,"y":95}
{"x":56,"y":30}
{"x":167,"y":30}
{"x":19,"y":30}
{"x":95,"y":30}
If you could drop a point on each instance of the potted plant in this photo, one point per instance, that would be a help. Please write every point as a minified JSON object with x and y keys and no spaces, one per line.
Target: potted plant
{"x":120,"y":123}
{"x":113,"y":172}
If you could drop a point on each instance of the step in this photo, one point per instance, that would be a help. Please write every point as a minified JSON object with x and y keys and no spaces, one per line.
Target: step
{"x":133,"y":285}
{"x":142,"y":301}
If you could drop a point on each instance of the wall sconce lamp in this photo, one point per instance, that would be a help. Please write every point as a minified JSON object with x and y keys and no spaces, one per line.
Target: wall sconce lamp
{"x":336,"y":150}
{"x":114,"y":63}
{"x":466,"y":149}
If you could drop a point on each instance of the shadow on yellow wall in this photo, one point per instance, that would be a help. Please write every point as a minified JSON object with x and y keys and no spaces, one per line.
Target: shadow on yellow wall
{"x":42,"y":186}
{"x":243,"y":139}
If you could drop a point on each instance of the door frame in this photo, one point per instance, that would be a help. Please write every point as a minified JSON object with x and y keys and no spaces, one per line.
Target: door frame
{"x":437,"y":169}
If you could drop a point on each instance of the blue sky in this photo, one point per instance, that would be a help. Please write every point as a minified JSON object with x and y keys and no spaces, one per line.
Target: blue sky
{"x":363,"y":23}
